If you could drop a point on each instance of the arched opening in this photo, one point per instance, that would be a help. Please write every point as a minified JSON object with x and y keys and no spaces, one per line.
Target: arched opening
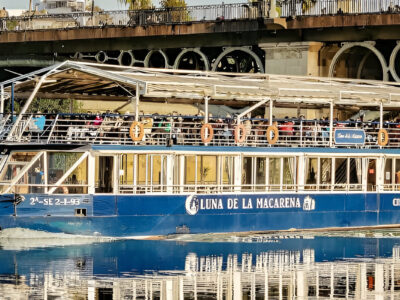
{"x":238,"y":60}
{"x":156,"y":59}
{"x":359,"y":61}
{"x":101,"y":57}
{"x":394,"y":64}
{"x":126,"y":58}
{"x":192,"y":59}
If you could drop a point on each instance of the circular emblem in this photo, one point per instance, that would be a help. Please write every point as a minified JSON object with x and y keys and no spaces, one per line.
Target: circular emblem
{"x":192,"y":205}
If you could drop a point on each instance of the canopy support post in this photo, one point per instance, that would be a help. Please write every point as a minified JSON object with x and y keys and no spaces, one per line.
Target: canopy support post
{"x":2,"y":99}
{"x":137,"y":99}
{"x":206,"y":99}
{"x":381,"y":115}
{"x":331,"y":124}
{"x":271,"y":107}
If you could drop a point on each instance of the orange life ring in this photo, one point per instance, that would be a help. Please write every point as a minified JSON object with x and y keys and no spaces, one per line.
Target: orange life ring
{"x":203,"y":133}
{"x":65,"y":190}
{"x":272,"y":130}
{"x":383,"y":137}
{"x":132,"y":131}
{"x":240,"y":134}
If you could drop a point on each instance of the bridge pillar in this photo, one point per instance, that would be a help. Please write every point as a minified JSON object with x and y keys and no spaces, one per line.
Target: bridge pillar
{"x":299,"y":58}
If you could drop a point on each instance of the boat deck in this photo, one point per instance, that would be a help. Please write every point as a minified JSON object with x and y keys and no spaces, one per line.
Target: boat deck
{"x":84,"y":129}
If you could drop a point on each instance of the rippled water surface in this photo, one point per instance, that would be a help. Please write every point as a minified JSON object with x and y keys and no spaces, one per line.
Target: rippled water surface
{"x":357,"y":265}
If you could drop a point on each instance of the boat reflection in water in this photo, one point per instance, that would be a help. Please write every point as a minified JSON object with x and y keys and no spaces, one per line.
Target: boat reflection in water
{"x":259,"y":267}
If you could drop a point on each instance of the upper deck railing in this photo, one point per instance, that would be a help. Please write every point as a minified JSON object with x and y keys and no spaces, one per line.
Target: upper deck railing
{"x":201,"y":13}
{"x":115,"y":129}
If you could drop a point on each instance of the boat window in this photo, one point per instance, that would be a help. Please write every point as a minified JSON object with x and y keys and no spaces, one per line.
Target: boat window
{"x":150,"y":172}
{"x":59,"y":163}
{"x":208,"y":169}
{"x":289,"y":173}
{"x":190,"y":170}
{"x":371,"y":179}
{"x":397,"y":173}
{"x":228,"y":171}
{"x":77,"y":181}
{"x":311,"y":168}
{"x":274,"y":173}
{"x":388,"y":176}
{"x":16,"y":162}
{"x":325,"y":171}
{"x":126,"y":170}
{"x":355,"y":173}
{"x":31,"y":179}
{"x":36,"y":179}
{"x":247,"y":174}
{"x":340,"y":173}
{"x":261,"y":163}
{"x":143,"y":170}
{"x":104,"y":174}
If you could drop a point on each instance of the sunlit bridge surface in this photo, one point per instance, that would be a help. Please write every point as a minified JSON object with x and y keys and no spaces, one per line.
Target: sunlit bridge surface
{"x":292,"y":266}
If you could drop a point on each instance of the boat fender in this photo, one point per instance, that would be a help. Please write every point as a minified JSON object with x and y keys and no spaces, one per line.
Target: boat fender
{"x":383,"y":137}
{"x":203,"y":133}
{"x":272,"y":134}
{"x":132,"y":131}
{"x":240,"y":134}
{"x":65,"y":190}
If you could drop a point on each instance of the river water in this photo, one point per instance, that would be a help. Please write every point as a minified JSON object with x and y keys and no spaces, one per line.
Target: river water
{"x":362,"y":265}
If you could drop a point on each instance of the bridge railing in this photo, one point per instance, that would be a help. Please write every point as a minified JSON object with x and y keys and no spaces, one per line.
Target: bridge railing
{"x":200,"y":13}
{"x":295,"y":8}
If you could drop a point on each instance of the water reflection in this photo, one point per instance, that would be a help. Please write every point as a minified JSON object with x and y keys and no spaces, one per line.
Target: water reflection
{"x":273,"y":268}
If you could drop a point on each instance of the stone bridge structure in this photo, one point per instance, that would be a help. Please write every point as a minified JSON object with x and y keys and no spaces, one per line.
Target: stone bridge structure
{"x":350,"y":39}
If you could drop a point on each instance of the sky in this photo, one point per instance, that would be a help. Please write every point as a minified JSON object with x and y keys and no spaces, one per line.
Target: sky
{"x":110,"y":4}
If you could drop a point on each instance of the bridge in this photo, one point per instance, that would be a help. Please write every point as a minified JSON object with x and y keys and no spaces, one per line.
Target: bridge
{"x":338,"y":38}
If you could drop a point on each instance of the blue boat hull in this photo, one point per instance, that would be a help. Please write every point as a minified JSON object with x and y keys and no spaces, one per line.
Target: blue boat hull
{"x":149,"y":215}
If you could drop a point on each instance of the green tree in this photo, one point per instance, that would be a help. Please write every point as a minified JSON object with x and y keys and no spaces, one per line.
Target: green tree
{"x":179,"y":13}
{"x":172,"y":3}
{"x":137,"y":4}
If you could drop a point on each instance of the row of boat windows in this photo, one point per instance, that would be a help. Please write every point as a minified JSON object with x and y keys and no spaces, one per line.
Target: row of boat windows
{"x":30,"y":172}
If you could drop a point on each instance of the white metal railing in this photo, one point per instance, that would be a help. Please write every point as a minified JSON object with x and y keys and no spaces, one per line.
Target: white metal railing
{"x":81,"y":129}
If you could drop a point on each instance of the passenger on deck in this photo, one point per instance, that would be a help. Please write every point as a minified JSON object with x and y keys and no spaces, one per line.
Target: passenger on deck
{"x":286,"y":129}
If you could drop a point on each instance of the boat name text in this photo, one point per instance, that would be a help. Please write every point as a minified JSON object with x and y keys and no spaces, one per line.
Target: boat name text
{"x":194,"y":204}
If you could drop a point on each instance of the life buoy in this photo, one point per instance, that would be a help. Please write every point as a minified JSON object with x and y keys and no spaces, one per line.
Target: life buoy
{"x":240,"y":134}
{"x":383,"y":137}
{"x":272,"y":134}
{"x":203,"y":133}
{"x":65,"y":190}
{"x":132,"y":131}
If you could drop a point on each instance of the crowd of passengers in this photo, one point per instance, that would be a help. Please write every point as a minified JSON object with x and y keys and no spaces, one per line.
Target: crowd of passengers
{"x":179,"y":129}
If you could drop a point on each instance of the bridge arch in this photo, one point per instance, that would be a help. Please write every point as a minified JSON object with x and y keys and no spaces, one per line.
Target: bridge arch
{"x":101,"y":57}
{"x":126,"y":58}
{"x":148,"y":63}
{"x":370,"y":46}
{"x":392,"y":62}
{"x":197,"y":51}
{"x":238,"y":50}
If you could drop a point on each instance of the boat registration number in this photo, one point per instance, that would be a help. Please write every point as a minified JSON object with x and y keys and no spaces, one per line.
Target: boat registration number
{"x":54,"y":201}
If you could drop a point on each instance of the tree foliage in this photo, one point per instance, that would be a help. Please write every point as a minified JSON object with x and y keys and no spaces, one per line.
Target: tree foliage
{"x":137,"y":4}
{"x":172,"y":3}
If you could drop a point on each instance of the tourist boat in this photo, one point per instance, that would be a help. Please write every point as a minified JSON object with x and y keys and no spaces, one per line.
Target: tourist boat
{"x":334,"y":163}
